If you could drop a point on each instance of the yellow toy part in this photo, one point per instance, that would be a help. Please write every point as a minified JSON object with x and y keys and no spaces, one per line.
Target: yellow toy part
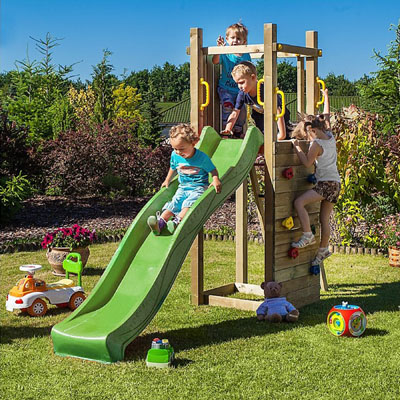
{"x":259,"y":101}
{"x":288,"y":223}
{"x":205,"y":83}
{"x":61,"y":284}
{"x":282,"y":113}
{"x":322,"y":83}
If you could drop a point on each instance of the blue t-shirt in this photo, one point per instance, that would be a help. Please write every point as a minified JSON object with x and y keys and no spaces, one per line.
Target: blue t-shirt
{"x":228,"y":62}
{"x":257,"y":112}
{"x":193,"y":171}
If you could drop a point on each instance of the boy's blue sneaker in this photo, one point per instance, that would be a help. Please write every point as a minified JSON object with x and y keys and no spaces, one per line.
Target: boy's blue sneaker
{"x":156,"y":223}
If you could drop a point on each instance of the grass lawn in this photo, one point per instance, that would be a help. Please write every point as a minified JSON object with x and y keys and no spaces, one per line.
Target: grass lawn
{"x":221,"y":353}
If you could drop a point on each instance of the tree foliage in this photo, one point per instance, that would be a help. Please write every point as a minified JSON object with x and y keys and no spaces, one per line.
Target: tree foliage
{"x":103,"y":85}
{"x":149,"y":131}
{"x":381,"y":94}
{"x":340,"y":86}
{"x":169,"y":82}
{"x":35,"y":93}
{"x":287,"y":75}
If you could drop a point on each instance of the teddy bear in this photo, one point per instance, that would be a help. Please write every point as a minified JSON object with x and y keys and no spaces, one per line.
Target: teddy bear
{"x":275,"y":308}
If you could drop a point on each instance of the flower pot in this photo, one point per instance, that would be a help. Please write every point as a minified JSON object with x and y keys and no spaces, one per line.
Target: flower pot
{"x":56,"y":256}
{"x":394,"y":256}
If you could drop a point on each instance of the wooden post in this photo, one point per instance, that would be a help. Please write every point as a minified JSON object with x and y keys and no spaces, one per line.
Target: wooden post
{"x":311,"y":74}
{"x":300,"y":85}
{"x":209,"y":77}
{"x":241,"y":234}
{"x":270,"y":135}
{"x":322,"y":278}
{"x":197,"y":269}
{"x":259,"y":202}
{"x":196,"y":72}
{"x":217,"y":107}
{"x":196,"y":119}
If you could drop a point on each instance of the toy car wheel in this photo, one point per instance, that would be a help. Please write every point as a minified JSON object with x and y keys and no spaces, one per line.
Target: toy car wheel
{"x":38,"y":308}
{"x":76,"y":300}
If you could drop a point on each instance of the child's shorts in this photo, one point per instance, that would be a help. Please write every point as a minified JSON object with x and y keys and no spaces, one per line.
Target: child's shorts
{"x":228,"y":101}
{"x":184,"y":198}
{"x":329,"y":190}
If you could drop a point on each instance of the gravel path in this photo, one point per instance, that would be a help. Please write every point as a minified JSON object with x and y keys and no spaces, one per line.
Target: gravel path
{"x":45,"y":213}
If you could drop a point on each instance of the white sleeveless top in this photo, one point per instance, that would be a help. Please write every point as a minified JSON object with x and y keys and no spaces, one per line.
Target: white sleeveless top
{"x":325,"y":164}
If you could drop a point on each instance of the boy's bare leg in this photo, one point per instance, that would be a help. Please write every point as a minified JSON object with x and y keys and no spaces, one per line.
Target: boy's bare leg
{"x":183,"y":212}
{"x":166,"y":215}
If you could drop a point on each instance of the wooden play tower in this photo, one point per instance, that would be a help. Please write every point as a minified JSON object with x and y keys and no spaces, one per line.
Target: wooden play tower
{"x":300,"y":286}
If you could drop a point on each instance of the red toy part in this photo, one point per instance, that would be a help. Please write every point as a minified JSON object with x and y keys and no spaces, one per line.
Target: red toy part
{"x":288,"y":173}
{"x":293,"y":252}
{"x":346,"y":320}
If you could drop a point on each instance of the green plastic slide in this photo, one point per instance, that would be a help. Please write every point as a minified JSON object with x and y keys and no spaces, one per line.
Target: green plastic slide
{"x":144,"y":267}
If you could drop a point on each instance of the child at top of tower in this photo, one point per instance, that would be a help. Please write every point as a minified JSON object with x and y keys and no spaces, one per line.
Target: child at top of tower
{"x":245,"y":75}
{"x":193,"y":167}
{"x":322,"y":152}
{"x":236,"y":34}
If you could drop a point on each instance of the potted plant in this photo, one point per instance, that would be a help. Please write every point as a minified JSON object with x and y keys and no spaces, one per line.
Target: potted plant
{"x":387,"y":234}
{"x":62,"y":241}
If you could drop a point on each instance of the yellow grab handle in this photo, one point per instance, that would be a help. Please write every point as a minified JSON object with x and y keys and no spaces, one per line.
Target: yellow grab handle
{"x":282,"y":113}
{"x":261,"y":103}
{"x":322,"y":83}
{"x":205,"y":83}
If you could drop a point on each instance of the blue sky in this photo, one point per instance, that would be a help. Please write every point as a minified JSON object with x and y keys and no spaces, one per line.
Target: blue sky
{"x":142,"y":36}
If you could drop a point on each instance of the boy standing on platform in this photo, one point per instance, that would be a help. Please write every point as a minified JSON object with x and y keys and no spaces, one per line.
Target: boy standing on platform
{"x":245,"y":75}
{"x":228,"y":90}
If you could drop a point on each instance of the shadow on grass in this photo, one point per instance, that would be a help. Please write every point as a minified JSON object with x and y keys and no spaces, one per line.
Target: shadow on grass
{"x":10,"y":333}
{"x":204,"y":335}
{"x":26,"y":330}
{"x":91,"y":271}
{"x":370,"y":297}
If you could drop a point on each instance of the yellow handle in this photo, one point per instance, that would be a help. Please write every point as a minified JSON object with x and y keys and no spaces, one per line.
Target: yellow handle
{"x":282,"y":113}
{"x":205,"y":83}
{"x":261,"y":103}
{"x":322,"y":83}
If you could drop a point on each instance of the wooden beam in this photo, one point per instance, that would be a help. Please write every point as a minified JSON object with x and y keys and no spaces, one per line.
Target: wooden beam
{"x":311,"y":74}
{"x":270,"y":135}
{"x":197,"y":269}
{"x":241,"y":233}
{"x":196,"y":72}
{"x":257,"y":50}
{"x":300,"y":85}
{"x":239,"y":304}
{"x":259,"y":202}
{"x":323,"y":280}
{"x":224,"y":290}
{"x":249,"y":289}
{"x":252,"y":48}
{"x":279,"y":54}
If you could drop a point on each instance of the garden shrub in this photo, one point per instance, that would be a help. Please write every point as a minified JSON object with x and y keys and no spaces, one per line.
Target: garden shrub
{"x":16,"y":155}
{"x":13,"y":191}
{"x":369,"y":165}
{"x":83,"y":163}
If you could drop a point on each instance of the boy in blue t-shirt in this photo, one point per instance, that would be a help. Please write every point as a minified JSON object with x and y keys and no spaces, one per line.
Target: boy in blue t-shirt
{"x":236,"y":35}
{"x":245,"y":75}
{"x":193,"y":167}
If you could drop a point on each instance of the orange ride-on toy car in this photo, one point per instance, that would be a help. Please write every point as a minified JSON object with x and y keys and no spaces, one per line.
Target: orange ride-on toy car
{"x":30,"y":293}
